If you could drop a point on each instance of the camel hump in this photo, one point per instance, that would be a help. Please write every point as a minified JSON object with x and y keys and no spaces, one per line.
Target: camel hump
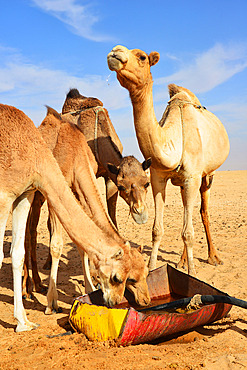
{"x":75,"y":101}
{"x":53,"y":112}
{"x":182,"y":93}
{"x":73,"y":94}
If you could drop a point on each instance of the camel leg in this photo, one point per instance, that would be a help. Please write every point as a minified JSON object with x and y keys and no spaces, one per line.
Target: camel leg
{"x":48,"y":262}
{"x":159,"y":190}
{"x":31,"y":245}
{"x":5,"y":208}
{"x":111,"y":199}
{"x":213,"y":258}
{"x":27,"y":281}
{"x":56,"y":247}
{"x":189,"y":194}
{"x":89,"y":287}
{"x":20,"y":213}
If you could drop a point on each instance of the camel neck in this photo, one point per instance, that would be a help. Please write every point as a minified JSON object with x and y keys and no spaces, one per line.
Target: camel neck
{"x":154,"y":141}
{"x":144,"y":118}
{"x":81,"y":229}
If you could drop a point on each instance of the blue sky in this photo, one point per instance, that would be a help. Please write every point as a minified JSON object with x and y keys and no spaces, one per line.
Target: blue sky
{"x":50,"y":46}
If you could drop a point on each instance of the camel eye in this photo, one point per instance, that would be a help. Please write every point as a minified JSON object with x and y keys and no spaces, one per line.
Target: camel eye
{"x":133,"y":281}
{"x":115,"y":279}
{"x":143,"y":57}
{"x":121,"y":188}
{"x":146,"y":185}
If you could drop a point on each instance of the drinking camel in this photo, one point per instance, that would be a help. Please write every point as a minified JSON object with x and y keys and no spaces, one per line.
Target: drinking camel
{"x":26,"y":165}
{"x":78,"y":165}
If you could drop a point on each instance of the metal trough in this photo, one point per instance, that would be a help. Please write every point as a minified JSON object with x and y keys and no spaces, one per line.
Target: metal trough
{"x":126,"y":325}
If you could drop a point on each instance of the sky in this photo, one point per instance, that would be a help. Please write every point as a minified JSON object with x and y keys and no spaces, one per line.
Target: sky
{"x":50,"y":46}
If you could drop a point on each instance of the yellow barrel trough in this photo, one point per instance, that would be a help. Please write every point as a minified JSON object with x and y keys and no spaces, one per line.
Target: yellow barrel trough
{"x":126,"y":325}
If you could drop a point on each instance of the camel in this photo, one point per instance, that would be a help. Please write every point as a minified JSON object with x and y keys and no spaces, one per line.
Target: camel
{"x":79,"y":167}
{"x":186,"y":146}
{"x":94,"y":121}
{"x":26,"y":165}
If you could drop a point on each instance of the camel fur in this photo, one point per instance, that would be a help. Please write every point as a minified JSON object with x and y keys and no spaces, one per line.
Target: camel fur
{"x":186,"y":146}
{"x":79,"y":167}
{"x":26,"y":165}
{"x":94,"y":121}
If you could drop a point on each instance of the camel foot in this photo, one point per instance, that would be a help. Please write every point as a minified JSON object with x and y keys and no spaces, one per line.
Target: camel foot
{"x":28,"y":326}
{"x":52,"y":311}
{"x":215,"y":261}
{"x":192,"y":272}
{"x":28,"y":296}
{"x":40,"y":288}
{"x":182,"y":264}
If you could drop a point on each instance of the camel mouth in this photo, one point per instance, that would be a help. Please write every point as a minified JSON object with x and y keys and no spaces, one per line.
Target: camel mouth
{"x":114,"y":63}
{"x":116,"y":60}
{"x":140,"y":218}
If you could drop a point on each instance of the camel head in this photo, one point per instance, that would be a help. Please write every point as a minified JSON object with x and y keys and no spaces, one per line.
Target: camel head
{"x":132,"y":182}
{"x":132,"y":66}
{"x":136,"y":281}
{"x":112,"y":273}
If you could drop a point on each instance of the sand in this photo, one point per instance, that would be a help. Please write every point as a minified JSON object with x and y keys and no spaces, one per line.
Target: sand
{"x":222,"y":344}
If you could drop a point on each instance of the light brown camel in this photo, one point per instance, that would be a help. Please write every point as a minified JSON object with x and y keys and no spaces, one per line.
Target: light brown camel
{"x":95,"y":123}
{"x":186,"y":146}
{"x":78,"y":166}
{"x":27,"y":164}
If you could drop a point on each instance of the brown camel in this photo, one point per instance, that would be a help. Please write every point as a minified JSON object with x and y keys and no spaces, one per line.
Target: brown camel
{"x":26,"y":164}
{"x":78,"y":166}
{"x":95,"y":123}
{"x":186,"y":146}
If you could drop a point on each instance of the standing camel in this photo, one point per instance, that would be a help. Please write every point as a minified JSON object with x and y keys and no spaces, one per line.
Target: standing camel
{"x":186,"y":146}
{"x":78,"y":165}
{"x":95,"y":123}
{"x":26,"y":165}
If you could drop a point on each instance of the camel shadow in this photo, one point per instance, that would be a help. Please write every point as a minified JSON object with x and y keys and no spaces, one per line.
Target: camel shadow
{"x":201,"y":260}
{"x":148,"y":250}
{"x":7,"y":325}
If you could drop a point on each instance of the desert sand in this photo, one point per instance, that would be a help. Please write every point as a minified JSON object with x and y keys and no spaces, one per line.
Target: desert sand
{"x":222,"y":344}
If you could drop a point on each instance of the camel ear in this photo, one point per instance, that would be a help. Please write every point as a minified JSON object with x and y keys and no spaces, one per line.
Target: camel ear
{"x":146,"y":164}
{"x":145,"y":257}
{"x":154,"y":57}
{"x":127,"y":245}
{"x":113,"y":169}
{"x":118,"y":255}
{"x":140,"y":248}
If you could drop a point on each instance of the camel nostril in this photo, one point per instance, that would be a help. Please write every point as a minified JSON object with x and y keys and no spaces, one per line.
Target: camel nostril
{"x":138,"y":209}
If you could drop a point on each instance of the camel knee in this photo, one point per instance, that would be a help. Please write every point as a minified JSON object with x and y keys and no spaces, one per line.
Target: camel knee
{"x":56,"y":248}
{"x":157,"y":233}
{"x":17,"y":257}
{"x":188,"y":236}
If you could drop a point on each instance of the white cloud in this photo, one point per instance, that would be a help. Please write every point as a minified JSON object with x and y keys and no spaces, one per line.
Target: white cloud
{"x":79,"y":18}
{"x":233,"y":115}
{"x":29,"y":87}
{"x":209,"y":69}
